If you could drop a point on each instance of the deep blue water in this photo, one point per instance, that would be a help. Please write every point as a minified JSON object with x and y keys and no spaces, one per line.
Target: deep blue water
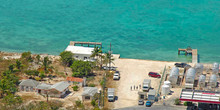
{"x":142,"y":29}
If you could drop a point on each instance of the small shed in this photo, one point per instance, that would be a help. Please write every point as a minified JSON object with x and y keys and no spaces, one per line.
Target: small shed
{"x":142,"y":95}
{"x":79,"y":81}
{"x":151,"y":95}
{"x":89,"y":93}
{"x":28,"y":85}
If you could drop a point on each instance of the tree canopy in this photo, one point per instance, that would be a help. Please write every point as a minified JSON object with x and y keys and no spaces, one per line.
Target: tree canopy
{"x":8,"y":83}
{"x":81,"y":68}
{"x":67,"y":58}
{"x":46,"y":64}
{"x":18,"y":64}
{"x":96,"y":52}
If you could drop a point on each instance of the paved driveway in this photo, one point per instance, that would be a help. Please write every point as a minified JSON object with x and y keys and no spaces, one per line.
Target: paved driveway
{"x":154,"y":107}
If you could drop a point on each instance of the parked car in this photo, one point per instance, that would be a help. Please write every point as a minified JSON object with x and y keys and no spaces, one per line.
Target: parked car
{"x":117,"y":72}
{"x":154,"y":74}
{"x":181,"y":65}
{"x":116,"y":76}
{"x":141,"y":102}
{"x":107,"y":68}
{"x":148,"y":104}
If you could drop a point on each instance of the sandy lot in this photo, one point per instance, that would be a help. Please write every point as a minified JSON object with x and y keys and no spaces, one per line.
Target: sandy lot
{"x":133,"y":72}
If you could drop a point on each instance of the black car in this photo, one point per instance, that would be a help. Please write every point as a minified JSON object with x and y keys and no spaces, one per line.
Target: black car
{"x":181,"y":65}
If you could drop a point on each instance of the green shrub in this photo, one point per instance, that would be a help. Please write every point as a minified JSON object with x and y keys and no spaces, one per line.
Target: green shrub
{"x":79,"y":104}
{"x":93,"y":103}
{"x":75,"y":88}
{"x":32,"y":72}
{"x":61,"y":74}
{"x":81,"y":68}
{"x":37,"y":78}
{"x":90,"y":78}
{"x":177,"y":101}
{"x":27,"y":56}
{"x":96,"y":108}
{"x":55,"y":104}
{"x":91,"y":85}
{"x":42,"y":75}
{"x":187,"y":103}
{"x":76,"y":74}
{"x":102,"y":82}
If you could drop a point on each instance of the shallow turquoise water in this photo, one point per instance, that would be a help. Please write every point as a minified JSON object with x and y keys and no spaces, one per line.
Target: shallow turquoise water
{"x":143,"y":29}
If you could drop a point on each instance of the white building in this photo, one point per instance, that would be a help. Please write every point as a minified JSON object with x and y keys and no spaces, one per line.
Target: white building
{"x":81,"y":53}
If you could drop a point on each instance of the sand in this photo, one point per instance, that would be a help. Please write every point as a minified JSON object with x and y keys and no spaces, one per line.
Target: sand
{"x":133,"y":72}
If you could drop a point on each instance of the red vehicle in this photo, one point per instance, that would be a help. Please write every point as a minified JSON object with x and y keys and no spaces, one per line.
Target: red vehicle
{"x":154,"y":74}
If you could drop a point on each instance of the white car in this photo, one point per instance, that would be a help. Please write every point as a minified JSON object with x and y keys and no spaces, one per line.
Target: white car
{"x":116,"y":76}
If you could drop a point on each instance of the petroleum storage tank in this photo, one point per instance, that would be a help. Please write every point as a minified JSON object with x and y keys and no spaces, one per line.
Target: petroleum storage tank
{"x":167,"y":83}
{"x":215,"y":68}
{"x":199,"y":68}
{"x":190,"y":75}
{"x":174,"y":73}
{"x":202,"y":80}
{"x":213,"y":81}
{"x":165,"y":89}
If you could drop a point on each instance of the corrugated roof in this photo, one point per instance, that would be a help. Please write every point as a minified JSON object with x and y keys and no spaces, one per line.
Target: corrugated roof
{"x":200,"y":96}
{"x":79,"y":49}
{"x":44,"y":86}
{"x":29,"y":82}
{"x":91,"y":91}
{"x":74,"y":79}
{"x":60,"y":86}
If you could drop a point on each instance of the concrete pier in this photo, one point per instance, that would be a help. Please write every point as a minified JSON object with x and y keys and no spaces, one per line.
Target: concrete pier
{"x":189,"y":50}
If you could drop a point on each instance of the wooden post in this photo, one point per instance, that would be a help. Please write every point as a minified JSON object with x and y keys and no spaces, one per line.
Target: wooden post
{"x":178,"y":52}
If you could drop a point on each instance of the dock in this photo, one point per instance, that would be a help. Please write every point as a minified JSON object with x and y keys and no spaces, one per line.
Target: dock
{"x":85,"y":43}
{"x":191,"y":51}
{"x":194,"y":56}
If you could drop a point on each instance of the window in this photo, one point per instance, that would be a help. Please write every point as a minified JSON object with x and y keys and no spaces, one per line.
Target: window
{"x":85,"y":58}
{"x":31,"y":88}
{"x":27,"y":88}
{"x":110,"y":97}
{"x":77,"y":56}
{"x":87,"y":97}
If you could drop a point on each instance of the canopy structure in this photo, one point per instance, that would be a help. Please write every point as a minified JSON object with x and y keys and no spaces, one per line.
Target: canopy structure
{"x":200,"y":96}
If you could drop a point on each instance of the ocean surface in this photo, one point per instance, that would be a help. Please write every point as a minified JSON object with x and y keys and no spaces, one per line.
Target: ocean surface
{"x":140,"y":29}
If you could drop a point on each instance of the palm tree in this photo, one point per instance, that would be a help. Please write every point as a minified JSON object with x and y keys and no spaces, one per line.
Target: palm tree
{"x":108,"y":59}
{"x":18,"y":64}
{"x":46,"y":63}
{"x":97,"y":52}
{"x":38,"y":59}
{"x":11,"y":67}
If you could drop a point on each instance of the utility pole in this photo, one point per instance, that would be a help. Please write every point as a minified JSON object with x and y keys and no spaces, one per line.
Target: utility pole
{"x":110,"y":53}
{"x":103,"y":100}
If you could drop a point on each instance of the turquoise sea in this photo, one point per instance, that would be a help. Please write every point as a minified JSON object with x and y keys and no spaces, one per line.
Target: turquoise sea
{"x":141,"y":29}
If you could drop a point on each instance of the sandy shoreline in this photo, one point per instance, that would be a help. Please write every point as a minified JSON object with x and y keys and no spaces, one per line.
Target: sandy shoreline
{"x":57,"y":56}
